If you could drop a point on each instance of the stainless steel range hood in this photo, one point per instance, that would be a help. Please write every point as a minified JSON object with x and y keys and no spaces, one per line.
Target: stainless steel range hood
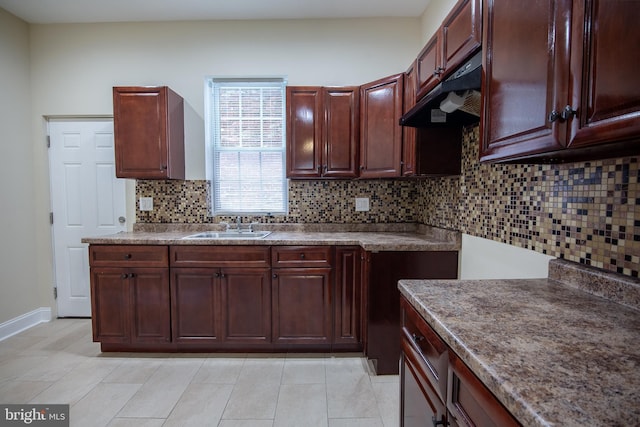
{"x":459,"y":94}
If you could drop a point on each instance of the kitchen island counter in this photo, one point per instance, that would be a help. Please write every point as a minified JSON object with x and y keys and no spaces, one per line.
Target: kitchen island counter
{"x":557,"y":351}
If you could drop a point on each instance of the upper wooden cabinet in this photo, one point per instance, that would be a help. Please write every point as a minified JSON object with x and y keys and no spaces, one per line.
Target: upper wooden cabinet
{"x":149,"y":132}
{"x":408,"y":132}
{"x":380,"y":133}
{"x":605,"y":91}
{"x":429,"y":66}
{"x":322,"y":131}
{"x":304,"y":131}
{"x":560,"y":80}
{"x":458,"y":37}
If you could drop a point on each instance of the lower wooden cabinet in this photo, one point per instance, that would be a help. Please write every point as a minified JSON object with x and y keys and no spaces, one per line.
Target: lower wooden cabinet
{"x":195,"y":305}
{"x":130,"y":294}
{"x":210,"y":298}
{"x":130,"y":305}
{"x":436,"y":387}
{"x":231,"y":305}
{"x":302,"y":306}
{"x":246,"y":306}
{"x":382,"y":271}
{"x":470,"y":403}
{"x":420,"y":403}
{"x":347,"y":299}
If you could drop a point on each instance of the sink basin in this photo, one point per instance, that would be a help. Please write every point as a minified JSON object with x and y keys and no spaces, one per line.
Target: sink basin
{"x":244,"y":234}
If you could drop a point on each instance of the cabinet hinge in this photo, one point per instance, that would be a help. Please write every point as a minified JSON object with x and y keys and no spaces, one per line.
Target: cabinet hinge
{"x":48,"y":141}
{"x":55,"y":292}
{"x":51,"y":218}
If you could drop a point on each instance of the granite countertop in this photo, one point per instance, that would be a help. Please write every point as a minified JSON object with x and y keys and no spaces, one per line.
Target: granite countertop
{"x":554,"y":351}
{"x":406,"y":238}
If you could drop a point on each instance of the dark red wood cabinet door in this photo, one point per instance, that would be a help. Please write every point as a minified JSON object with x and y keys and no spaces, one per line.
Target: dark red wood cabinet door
{"x":304,"y":131}
{"x":110,"y":305}
{"x":526,"y":63}
{"x":302,"y":306}
{"x":246,"y":305}
{"x":148,"y":132}
{"x":341,"y":131}
{"x":470,"y":403}
{"x":348,"y":298}
{"x":409,"y":133}
{"x":429,"y":66}
{"x":380,"y":131}
{"x":461,"y":33}
{"x":151,"y":317}
{"x":419,"y":404}
{"x":604,"y":70}
{"x":195,"y":305}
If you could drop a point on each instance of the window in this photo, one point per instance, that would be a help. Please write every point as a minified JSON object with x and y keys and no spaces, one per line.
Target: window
{"x":246,"y":145}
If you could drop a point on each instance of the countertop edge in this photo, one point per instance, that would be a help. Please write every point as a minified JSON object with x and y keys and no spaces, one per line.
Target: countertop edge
{"x":369,"y":241}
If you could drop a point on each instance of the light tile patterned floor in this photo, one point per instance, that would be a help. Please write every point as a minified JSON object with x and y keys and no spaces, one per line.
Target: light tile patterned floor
{"x":57,"y":362}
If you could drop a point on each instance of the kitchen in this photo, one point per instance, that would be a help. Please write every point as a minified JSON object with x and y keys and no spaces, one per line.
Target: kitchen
{"x":69,"y":69}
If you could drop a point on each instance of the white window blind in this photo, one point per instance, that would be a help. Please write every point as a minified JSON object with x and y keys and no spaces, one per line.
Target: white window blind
{"x":247,"y":132}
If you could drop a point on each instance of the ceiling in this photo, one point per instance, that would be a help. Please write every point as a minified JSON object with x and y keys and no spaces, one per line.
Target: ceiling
{"x":84,"y":11}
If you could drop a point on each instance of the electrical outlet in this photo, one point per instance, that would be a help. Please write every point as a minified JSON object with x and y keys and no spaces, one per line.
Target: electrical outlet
{"x":362,"y":204}
{"x":146,"y":203}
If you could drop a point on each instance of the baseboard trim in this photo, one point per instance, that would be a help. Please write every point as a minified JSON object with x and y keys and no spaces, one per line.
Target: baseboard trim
{"x":24,"y":322}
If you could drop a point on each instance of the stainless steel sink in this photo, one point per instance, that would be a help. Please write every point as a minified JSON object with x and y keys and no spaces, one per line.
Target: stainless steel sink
{"x":230,"y":234}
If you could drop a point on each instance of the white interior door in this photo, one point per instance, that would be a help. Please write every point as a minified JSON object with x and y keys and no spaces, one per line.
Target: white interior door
{"x":86,"y":200}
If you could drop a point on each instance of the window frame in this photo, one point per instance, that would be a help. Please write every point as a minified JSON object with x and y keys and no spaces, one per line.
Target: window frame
{"x":212,"y":121}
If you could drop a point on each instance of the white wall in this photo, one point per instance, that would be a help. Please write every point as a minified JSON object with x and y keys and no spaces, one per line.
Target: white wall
{"x":487,"y":259}
{"x":20,"y":290}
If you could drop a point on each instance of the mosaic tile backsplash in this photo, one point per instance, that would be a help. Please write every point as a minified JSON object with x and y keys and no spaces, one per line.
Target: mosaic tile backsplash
{"x":585,"y":212}
{"x":391,"y":201}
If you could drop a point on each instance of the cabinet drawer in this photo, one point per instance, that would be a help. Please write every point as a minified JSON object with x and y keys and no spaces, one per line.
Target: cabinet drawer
{"x":128,"y":256}
{"x":470,"y":403}
{"x":432,"y":350}
{"x":420,"y":402}
{"x":301,"y":256}
{"x":220,"y":256}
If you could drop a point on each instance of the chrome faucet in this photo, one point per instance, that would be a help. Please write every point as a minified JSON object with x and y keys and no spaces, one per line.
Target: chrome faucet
{"x":238,"y":222}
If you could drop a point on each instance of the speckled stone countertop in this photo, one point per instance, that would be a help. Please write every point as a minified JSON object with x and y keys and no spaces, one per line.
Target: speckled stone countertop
{"x":554,"y":351}
{"x":409,"y":237}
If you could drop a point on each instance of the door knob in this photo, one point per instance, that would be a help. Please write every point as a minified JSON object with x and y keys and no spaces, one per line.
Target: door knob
{"x":122,"y":220}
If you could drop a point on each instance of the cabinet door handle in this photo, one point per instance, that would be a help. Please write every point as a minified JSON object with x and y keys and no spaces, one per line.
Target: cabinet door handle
{"x":131,"y":275}
{"x":217,"y":274}
{"x":127,"y":256}
{"x":438,"y":71}
{"x":568,"y":113}
{"x":275,"y":276}
{"x":417,"y":338}
{"x":163,"y":167}
{"x":302,"y":256}
{"x":124,"y":275}
{"x":437,"y":423}
{"x":553,"y":116}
